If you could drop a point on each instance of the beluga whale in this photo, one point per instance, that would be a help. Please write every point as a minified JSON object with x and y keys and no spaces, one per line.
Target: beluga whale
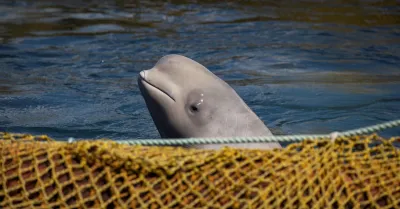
{"x":186,"y":100}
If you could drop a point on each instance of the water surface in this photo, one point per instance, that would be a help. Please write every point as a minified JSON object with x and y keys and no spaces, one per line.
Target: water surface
{"x":305,"y":67}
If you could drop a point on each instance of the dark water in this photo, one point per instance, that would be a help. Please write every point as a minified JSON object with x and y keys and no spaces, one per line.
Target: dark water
{"x":70,"y":69}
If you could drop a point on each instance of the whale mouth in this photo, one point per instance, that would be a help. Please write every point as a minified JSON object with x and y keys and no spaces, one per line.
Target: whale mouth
{"x":151,"y":87}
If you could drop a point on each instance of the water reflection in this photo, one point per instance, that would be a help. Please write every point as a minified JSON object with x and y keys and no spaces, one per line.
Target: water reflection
{"x":44,"y":18}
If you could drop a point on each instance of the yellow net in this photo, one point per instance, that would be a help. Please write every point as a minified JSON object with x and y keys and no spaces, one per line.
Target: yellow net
{"x":354,"y":172}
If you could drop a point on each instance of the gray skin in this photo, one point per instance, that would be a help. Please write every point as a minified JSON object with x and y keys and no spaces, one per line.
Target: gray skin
{"x":187,"y":100}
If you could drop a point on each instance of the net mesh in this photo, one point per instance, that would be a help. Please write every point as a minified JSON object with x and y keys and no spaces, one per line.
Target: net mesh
{"x":352,"y":172}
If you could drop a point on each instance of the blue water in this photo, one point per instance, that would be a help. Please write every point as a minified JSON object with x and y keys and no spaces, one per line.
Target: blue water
{"x":305,"y":67}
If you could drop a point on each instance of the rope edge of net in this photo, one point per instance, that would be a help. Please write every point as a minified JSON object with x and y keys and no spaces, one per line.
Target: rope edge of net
{"x":258,"y":139}
{"x":283,"y":138}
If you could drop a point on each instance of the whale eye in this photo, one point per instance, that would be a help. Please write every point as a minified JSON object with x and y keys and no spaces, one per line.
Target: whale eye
{"x":194,"y":108}
{"x":196,"y":104}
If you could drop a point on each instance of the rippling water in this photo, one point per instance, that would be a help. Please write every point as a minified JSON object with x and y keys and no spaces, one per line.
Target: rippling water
{"x":70,"y":69}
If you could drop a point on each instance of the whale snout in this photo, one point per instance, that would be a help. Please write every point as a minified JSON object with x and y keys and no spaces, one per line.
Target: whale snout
{"x":142,"y":74}
{"x":154,"y":85}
